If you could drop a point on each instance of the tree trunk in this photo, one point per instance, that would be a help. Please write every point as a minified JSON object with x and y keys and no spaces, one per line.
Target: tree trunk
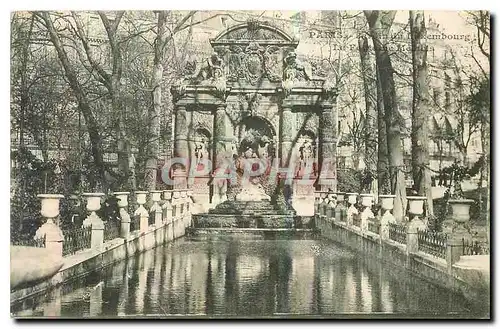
{"x":380,"y":23}
{"x":155,"y":112}
{"x":24,"y":92}
{"x":420,"y":110}
{"x":83,"y":103}
{"x":370,"y":124}
{"x":384,"y":179}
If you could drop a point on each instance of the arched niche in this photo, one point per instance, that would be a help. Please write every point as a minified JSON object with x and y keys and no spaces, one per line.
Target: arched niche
{"x":201,"y":143}
{"x":306,"y":149}
{"x":256,"y":133}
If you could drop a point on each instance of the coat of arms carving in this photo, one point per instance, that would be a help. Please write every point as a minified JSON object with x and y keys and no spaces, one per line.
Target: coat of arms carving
{"x":253,"y":63}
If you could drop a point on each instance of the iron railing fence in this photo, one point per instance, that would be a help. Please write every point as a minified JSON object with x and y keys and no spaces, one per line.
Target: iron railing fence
{"x":111,"y":230}
{"x":474,"y":248}
{"x":29,"y":242}
{"x":397,"y":233}
{"x":432,"y":243}
{"x":374,"y":226}
{"x":76,"y":240}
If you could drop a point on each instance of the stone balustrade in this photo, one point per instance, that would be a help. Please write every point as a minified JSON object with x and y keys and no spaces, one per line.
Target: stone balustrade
{"x":171,"y":210}
{"x":331,"y":210}
{"x":444,"y":258}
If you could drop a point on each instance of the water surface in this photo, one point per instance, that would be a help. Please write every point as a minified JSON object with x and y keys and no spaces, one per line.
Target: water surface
{"x":244,"y":277}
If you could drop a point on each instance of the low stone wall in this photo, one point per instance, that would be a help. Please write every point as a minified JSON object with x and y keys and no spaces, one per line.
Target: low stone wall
{"x":471,"y":282}
{"x":89,"y":260}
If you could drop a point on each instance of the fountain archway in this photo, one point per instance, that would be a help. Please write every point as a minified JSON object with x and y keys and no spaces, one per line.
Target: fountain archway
{"x":256,"y":138}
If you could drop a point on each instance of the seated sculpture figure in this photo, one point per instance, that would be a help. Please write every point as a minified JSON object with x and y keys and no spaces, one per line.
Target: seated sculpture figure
{"x":295,"y":70}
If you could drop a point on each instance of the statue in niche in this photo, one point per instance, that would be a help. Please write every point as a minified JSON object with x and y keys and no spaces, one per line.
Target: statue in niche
{"x":307,"y":156}
{"x":306,"y":151}
{"x":201,"y":150}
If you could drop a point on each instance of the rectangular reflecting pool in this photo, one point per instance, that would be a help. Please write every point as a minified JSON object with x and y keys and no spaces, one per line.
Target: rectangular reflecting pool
{"x":241,"y":276}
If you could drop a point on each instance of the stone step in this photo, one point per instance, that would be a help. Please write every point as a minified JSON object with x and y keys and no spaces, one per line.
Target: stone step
{"x":245,"y":207}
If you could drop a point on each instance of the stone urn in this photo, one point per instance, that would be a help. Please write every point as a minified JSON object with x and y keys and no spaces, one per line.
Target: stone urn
{"x":387,"y":201}
{"x":461,"y":209}
{"x":155,"y":196}
{"x":352,"y":198}
{"x":366,"y":200}
{"x":167,"y":194}
{"x":122,"y":198}
{"x":93,"y":201}
{"x":416,"y":209}
{"x":340,"y":198}
{"x":416,"y":205}
{"x":50,"y":205}
{"x":141,"y":197}
{"x":93,"y":204}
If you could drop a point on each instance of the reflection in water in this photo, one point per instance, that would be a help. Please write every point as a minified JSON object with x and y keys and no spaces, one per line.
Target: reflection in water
{"x":233,"y":276}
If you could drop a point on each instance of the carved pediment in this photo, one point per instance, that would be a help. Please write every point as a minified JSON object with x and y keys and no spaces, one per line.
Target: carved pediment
{"x":253,"y":30}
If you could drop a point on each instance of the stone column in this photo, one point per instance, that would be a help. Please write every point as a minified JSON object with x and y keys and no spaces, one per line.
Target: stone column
{"x":317,"y":203}
{"x":412,"y":238}
{"x":184,"y":209}
{"x":221,"y":122}
{"x":454,"y":249}
{"x":387,"y":203}
{"x":181,"y":148}
{"x":332,"y":204}
{"x":167,"y":215}
{"x":351,"y":211}
{"x":327,"y":149}
{"x":367,"y":213}
{"x":53,"y":235}
{"x":339,"y":209}
{"x":155,"y":207}
{"x":93,"y":205}
{"x":141,"y":211}
{"x":324,"y":201}
{"x":176,"y":213}
{"x":124,"y":215}
{"x":458,"y":234}
{"x":167,"y":206}
{"x":220,"y":132}
{"x":189,"y":206}
{"x":286,"y":135}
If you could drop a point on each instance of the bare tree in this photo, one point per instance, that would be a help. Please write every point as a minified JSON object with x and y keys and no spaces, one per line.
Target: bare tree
{"x":164,"y":36}
{"x":370,"y":93}
{"x":420,"y":109}
{"x":81,"y":96}
{"x":379,"y":23}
